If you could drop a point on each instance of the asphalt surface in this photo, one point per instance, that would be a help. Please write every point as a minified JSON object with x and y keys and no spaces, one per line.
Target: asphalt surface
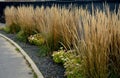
{"x":12,"y":64}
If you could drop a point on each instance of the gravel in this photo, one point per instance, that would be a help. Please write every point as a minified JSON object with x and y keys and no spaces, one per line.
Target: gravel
{"x":48,"y":68}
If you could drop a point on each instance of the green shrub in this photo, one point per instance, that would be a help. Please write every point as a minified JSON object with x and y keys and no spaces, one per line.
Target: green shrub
{"x":73,"y":66}
{"x":49,"y":41}
{"x":61,"y":56}
{"x":58,"y":57}
{"x":36,"y":39}
{"x":73,"y":69}
{"x":72,"y":63}
{"x":21,"y":36}
{"x":44,"y":51}
{"x":6,"y":29}
{"x":14,"y":28}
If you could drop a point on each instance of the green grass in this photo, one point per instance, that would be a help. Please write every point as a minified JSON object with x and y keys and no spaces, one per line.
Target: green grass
{"x":43,"y":51}
{"x":6,"y":29}
{"x":17,"y":49}
{"x":35,"y":75}
{"x":21,"y":36}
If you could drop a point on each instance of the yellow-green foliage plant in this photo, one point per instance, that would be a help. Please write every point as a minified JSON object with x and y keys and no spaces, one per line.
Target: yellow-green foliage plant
{"x":36,"y":39}
{"x":71,"y":62}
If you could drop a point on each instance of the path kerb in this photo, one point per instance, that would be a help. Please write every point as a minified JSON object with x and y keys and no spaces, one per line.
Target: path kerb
{"x":30,"y":61}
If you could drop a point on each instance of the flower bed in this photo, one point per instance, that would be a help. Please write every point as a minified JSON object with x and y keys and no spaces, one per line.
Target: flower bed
{"x":94,"y":37}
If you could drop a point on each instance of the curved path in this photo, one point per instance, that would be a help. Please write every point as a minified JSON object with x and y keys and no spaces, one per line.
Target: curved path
{"x":2,"y":24}
{"x":12,"y":64}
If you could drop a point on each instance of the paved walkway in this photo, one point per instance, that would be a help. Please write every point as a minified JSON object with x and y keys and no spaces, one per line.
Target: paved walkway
{"x":2,"y":24}
{"x":12,"y":64}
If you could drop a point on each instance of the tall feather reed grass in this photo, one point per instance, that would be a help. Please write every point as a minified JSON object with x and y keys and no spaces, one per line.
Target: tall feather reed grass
{"x":48,"y":23}
{"x":11,"y":19}
{"x":94,"y":37}
{"x":97,"y":41}
{"x":26,"y":19}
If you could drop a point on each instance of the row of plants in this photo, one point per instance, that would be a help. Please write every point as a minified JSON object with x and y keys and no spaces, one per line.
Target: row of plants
{"x":90,"y":40}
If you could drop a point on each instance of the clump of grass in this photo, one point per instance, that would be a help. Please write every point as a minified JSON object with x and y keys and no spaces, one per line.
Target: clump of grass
{"x":11,"y":19}
{"x":26,"y":19}
{"x":6,"y":29}
{"x":48,"y":23}
{"x":35,"y":75}
{"x":17,"y":49}
{"x":96,"y":41}
{"x":44,"y":50}
{"x":21,"y":36}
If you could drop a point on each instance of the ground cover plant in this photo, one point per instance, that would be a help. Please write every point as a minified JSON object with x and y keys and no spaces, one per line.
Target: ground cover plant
{"x":90,"y":41}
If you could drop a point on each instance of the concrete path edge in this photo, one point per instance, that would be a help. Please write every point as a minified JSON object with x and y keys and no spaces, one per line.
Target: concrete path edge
{"x":30,"y":61}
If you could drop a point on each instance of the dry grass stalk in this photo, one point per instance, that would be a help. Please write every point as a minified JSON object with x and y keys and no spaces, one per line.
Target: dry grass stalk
{"x":10,"y":15}
{"x":96,"y":36}
{"x":26,"y":19}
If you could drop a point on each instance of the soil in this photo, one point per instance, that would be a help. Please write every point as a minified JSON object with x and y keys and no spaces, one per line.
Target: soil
{"x":47,"y":67}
